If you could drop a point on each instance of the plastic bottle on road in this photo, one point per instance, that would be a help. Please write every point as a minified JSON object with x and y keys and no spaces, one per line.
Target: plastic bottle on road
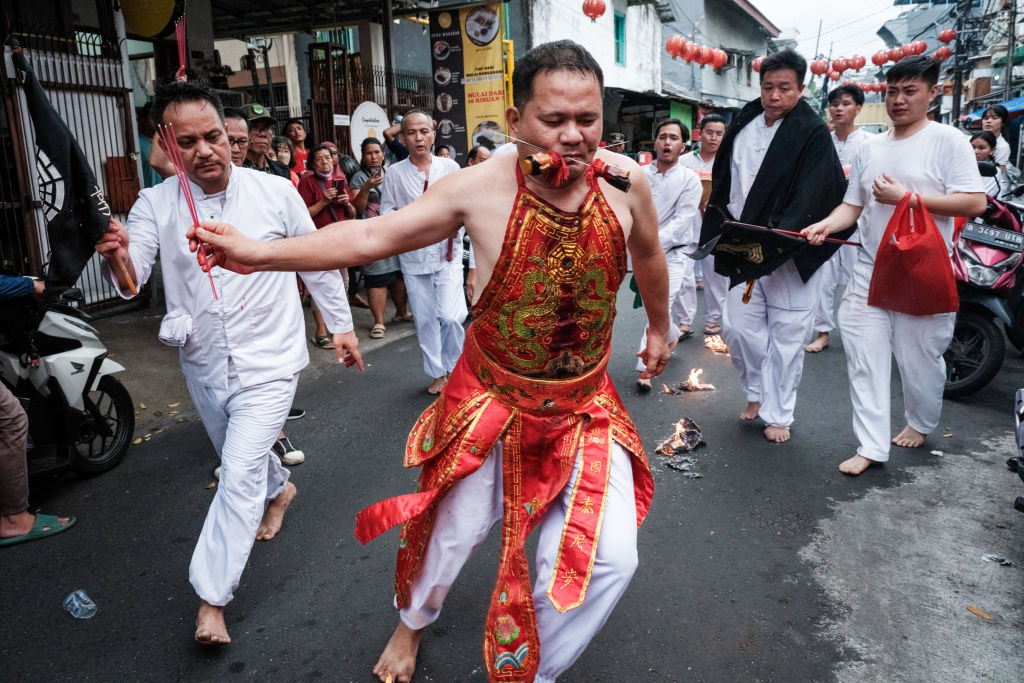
{"x":80,"y":605}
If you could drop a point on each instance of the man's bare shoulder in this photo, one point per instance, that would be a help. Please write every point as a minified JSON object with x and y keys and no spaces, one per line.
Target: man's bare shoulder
{"x":619,"y":160}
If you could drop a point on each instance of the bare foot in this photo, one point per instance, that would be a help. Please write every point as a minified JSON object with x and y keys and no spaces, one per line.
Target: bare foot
{"x":751,"y":411}
{"x":437,"y":385}
{"x":210,"y":626}
{"x":909,"y":438}
{"x":643,"y":385}
{"x":274,"y":514}
{"x":398,"y":661}
{"x":819,"y":344}
{"x":855,"y":465}
{"x":776,"y":434}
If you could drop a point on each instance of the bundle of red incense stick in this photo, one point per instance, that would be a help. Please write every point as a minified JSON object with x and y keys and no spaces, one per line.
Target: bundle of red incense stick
{"x":179,"y":34}
{"x":174,"y":154}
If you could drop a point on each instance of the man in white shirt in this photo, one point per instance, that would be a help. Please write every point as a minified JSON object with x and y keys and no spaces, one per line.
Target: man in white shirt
{"x":776,"y":168}
{"x":844,"y":104}
{"x":937,"y":163}
{"x":676,"y":191}
{"x":433,"y":274}
{"x":702,"y":160}
{"x":241,"y":337}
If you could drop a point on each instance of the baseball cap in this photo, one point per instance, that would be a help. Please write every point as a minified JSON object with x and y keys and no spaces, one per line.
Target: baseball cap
{"x":254,"y":111}
{"x":617,"y":139}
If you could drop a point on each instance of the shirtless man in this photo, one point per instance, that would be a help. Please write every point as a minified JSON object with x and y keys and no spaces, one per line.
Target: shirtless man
{"x":558,"y":90}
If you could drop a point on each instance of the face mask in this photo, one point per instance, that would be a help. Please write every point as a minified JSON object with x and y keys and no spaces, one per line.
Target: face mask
{"x":325,"y":175}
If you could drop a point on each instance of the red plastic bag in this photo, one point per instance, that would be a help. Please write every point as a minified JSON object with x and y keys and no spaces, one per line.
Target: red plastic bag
{"x":913,"y":273}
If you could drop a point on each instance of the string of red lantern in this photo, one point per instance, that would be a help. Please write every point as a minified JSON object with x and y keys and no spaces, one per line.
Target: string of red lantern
{"x":593,"y":9}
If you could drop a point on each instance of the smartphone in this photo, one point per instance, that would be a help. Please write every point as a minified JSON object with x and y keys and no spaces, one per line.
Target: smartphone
{"x":338,"y":186}
{"x":375,"y":171}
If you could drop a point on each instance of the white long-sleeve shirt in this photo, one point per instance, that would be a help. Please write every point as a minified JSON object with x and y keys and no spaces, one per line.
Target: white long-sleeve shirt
{"x":257,"y":322}
{"x":676,"y":195}
{"x":748,"y":152}
{"x":403,"y":184}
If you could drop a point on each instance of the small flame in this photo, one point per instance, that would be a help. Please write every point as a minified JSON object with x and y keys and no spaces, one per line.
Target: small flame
{"x":693,"y":382}
{"x":716,"y":344}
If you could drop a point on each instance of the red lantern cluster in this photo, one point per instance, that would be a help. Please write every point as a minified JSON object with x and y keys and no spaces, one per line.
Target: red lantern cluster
{"x":593,"y":8}
{"x":691,"y":52}
{"x":866,"y":87}
{"x":948,"y":35}
{"x":943,"y":53}
{"x":819,"y":67}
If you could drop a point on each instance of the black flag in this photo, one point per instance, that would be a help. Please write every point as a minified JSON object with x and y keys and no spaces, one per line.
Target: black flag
{"x":76,"y":213}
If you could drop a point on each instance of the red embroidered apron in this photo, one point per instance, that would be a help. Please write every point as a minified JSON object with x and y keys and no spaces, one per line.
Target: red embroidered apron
{"x":532,"y":374}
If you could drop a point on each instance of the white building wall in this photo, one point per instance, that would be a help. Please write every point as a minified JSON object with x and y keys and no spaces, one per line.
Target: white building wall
{"x":564,"y":20}
{"x":732,"y":87}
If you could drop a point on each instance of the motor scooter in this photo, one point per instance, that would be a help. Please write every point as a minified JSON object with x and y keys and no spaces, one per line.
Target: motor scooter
{"x":987,"y":256}
{"x":80,"y":417}
{"x":1016,"y":463}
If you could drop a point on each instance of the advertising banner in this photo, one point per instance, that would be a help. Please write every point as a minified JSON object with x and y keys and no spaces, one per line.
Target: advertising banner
{"x":469,"y":90}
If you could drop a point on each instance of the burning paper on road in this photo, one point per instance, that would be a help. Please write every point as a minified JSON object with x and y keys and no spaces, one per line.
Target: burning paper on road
{"x":716,"y":344}
{"x":692,"y":383}
{"x":687,"y":438}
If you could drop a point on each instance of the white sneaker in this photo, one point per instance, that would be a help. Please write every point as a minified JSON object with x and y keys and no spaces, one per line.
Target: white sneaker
{"x":289,"y":454}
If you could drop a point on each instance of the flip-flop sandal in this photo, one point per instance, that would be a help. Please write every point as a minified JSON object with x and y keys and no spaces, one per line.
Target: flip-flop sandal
{"x":377,"y":332}
{"x":45,"y":525}
{"x":712,"y":329}
{"x":323,"y":342}
{"x":407,"y":318}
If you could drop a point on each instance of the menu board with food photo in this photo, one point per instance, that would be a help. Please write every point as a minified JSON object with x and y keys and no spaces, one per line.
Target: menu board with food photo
{"x":467,"y":67}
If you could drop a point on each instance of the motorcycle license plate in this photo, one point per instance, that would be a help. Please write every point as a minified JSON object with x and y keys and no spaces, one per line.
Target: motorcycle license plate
{"x":995,"y":237}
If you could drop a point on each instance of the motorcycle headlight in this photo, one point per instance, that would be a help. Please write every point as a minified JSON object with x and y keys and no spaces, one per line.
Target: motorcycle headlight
{"x":980,"y":275}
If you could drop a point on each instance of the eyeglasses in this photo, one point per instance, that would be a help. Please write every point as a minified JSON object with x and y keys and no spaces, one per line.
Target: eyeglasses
{"x":238,"y":142}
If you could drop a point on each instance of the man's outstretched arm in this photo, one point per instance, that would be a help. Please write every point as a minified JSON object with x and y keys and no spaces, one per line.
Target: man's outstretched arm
{"x":431,"y":218}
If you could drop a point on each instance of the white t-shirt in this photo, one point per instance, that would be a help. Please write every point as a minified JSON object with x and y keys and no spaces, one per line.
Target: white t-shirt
{"x":847,"y":149}
{"x":676,"y":194}
{"x":694,"y":161}
{"x":937,"y":160}
{"x":1002,"y":153}
{"x":748,"y":152}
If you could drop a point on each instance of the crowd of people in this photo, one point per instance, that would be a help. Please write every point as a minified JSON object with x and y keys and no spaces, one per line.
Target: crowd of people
{"x":527,"y":430}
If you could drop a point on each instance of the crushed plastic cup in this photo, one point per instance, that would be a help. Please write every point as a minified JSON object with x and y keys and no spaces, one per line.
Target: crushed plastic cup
{"x":79,"y":605}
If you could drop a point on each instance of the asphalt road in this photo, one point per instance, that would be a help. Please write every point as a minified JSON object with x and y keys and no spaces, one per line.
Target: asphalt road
{"x":771,"y":566}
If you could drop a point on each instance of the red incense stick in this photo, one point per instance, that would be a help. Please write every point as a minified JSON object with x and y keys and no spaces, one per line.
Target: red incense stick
{"x":174,"y":154}
{"x":179,"y":34}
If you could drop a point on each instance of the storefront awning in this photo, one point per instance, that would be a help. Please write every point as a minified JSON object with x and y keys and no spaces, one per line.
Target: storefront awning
{"x":1014,"y":106}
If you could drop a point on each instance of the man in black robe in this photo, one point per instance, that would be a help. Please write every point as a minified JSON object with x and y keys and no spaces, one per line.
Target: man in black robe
{"x":776,"y":167}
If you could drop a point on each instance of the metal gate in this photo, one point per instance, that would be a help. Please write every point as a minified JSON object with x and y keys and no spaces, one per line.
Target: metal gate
{"x":85,"y":81}
{"x":339,"y":83}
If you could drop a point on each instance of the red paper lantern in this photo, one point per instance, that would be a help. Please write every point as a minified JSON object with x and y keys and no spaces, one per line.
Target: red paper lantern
{"x":857,"y":62}
{"x":943,"y":53}
{"x":689,"y":52}
{"x":834,"y":75}
{"x":894,"y":54}
{"x":719,"y":58}
{"x":706,"y":55}
{"x":879,"y":58}
{"x":920,"y":47}
{"x":819,"y":67}
{"x":948,"y":35}
{"x":756,"y":64}
{"x":593,"y":9}
{"x":675,"y":46}
{"x":840,"y":64}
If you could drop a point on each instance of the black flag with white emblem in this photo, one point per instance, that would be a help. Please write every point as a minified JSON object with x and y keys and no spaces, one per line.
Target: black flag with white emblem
{"x":76,"y":213}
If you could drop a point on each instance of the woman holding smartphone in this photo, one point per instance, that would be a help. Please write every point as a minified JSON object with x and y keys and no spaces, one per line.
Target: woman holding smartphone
{"x":380,"y":277}
{"x":329,"y":201}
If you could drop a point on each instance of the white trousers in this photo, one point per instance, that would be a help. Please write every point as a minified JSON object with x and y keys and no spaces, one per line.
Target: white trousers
{"x":715,"y":288}
{"x":838,"y":270}
{"x":676,"y":273}
{"x":871,"y":337}
{"x":243,"y":425}
{"x":474,"y":506}
{"x":766,"y":340}
{"x":684,"y":294}
{"x":438,"y":305}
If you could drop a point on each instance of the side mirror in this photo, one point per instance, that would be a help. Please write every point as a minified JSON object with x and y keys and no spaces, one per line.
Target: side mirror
{"x":988,"y":169}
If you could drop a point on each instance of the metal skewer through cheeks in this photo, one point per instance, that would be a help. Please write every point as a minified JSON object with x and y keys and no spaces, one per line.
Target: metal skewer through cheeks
{"x":553,"y":165}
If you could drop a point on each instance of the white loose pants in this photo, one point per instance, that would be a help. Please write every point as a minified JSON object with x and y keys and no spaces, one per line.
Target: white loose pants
{"x":676,"y":274}
{"x":474,"y":506}
{"x":243,"y":424}
{"x":838,"y":270}
{"x":715,"y":288}
{"x":438,"y":306}
{"x":871,"y":337}
{"x":766,"y":340}
{"x":684,"y":294}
